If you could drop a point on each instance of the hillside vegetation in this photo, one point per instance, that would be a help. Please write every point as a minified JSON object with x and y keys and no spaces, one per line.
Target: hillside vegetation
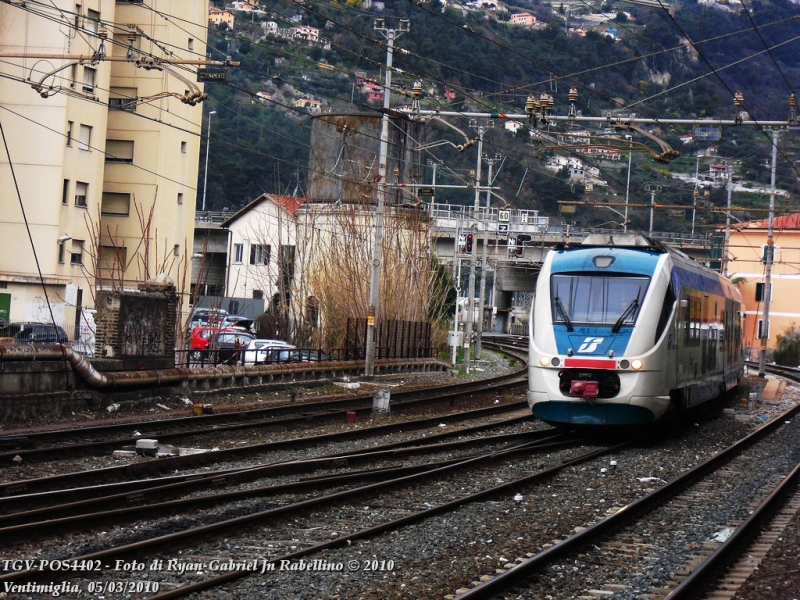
{"x":680,"y":62}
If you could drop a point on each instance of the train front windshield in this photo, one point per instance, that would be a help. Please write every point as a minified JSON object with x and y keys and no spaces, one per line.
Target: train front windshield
{"x":597,"y":299}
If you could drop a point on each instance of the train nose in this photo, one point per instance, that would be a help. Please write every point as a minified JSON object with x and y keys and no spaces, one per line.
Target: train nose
{"x":585,"y":389}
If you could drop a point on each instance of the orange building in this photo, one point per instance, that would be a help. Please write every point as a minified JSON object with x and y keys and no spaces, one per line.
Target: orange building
{"x":747,"y":264}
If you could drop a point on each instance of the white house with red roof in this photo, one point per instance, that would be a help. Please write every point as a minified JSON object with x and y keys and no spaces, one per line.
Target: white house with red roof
{"x":261,"y":246}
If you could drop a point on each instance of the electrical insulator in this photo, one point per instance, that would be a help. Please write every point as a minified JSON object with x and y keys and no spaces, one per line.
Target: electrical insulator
{"x":546,"y":100}
{"x":738,"y":102}
{"x":531,"y":105}
{"x":416,"y":91}
{"x":573,"y":98}
{"x":573,"y":94}
{"x":792,"y":108}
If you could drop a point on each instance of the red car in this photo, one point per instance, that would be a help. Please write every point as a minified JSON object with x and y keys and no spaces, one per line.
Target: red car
{"x":204,"y":337}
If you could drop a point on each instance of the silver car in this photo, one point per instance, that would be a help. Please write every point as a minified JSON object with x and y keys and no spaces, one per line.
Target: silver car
{"x":259,"y":352}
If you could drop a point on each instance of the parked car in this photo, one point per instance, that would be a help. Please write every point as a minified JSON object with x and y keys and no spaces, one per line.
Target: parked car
{"x":237,"y":321}
{"x":296,"y":356}
{"x":230,"y":345}
{"x":261,"y":351}
{"x":204,"y":336}
{"x":38,"y":333}
{"x":208,"y":316}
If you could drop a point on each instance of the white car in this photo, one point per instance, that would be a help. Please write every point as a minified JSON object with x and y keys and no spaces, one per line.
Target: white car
{"x":264,"y":351}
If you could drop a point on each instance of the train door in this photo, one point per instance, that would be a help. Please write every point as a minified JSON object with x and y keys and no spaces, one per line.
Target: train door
{"x":704,"y":336}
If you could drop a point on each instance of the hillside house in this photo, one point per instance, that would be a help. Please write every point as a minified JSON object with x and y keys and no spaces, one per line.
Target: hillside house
{"x":523,"y":18}
{"x":604,"y":152}
{"x":311,"y":105}
{"x":373,"y":91}
{"x":217,"y":17}
{"x":305,"y":32}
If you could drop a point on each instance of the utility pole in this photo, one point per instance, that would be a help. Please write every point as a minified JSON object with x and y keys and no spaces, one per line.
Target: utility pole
{"x":653,"y":189}
{"x":432,"y":211}
{"x":471,"y":286}
{"x":769,"y":251}
{"x":696,"y":193}
{"x":208,"y":145}
{"x":377,"y":251}
{"x":628,"y":186}
{"x":482,"y":293}
{"x":727,"y":241}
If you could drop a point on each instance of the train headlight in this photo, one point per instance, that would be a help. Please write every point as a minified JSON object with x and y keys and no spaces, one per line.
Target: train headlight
{"x":555,"y":362}
{"x":544,"y":361}
{"x":636,"y":364}
{"x":624,"y":364}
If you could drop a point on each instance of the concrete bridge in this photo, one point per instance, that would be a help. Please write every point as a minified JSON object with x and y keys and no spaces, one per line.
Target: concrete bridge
{"x":516,"y":243}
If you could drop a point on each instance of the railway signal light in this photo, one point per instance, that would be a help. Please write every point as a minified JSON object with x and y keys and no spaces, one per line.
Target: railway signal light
{"x":520,"y":246}
{"x":469,"y":243}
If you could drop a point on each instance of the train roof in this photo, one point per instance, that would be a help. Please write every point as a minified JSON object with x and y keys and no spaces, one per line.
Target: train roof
{"x":635,"y":241}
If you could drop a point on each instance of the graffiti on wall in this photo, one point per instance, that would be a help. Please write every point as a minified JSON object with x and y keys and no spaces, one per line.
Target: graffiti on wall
{"x":142,"y":326}
{"x":37,"y":311}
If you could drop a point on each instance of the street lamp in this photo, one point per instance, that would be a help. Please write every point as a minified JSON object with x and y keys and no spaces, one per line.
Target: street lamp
{"x":208,"y":143}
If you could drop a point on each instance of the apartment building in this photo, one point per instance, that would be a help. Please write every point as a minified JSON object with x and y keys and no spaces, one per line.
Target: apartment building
{"x":98,"y":183}
{"x":747,"y":253}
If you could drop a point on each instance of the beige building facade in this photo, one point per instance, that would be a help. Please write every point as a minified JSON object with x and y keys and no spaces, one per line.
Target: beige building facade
{"x":747,"y":266}
{"x":98,"y":184}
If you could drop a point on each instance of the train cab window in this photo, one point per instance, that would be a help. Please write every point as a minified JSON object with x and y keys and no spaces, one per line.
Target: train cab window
{"x":666,"y":310}
{"x":597,"y":300}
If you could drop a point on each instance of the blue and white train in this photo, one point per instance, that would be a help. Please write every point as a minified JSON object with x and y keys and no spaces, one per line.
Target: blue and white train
{"x":625,"y":331}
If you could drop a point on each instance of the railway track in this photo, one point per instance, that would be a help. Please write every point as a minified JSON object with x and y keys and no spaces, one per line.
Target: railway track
{"x":615,"y":542}
{"x":390,"y":495}
{"x":420,"y":520}
{"x":97,"y":441}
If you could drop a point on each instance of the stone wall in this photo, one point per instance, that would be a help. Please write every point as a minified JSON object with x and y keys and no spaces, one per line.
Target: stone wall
{"x":137,"y":328}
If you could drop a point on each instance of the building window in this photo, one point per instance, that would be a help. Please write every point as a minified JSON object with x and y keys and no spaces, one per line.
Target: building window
{"x":258,"y":294}
{"x":61,"y":253}
{"x":81,"y":190}
{"x":180,"y":197}
{"x":85,"y":141}
{"x":115,"y":203}
{"x":259,"y":254}
{"x":176,"y":250}
{"x":70,"y":125}
{"x":89,"y":77}
{"x":65,"y":192}
{"x":119,"y":151}
{"x":238,"y":253}
{"x":111,"y":264}
{"x":183,"y":147}
{"x":92,"y":21}
{"x":123,"y":98}
{"x":190,"y":45}
{"x":76,"y":257}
